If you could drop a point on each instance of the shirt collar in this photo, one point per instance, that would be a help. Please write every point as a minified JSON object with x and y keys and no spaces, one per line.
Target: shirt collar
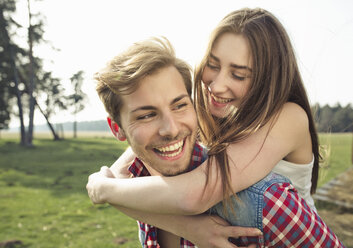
{"x":199,"y":155}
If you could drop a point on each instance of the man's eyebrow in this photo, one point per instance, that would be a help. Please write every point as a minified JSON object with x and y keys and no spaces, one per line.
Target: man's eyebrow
{"x":150,"y":107}
{"x":147,"y":107}
{"x":177,"y":99}
{"x":235,"y":66}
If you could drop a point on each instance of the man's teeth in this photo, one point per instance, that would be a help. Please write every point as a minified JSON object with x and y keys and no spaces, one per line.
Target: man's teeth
{"x":174,"y":147}
{"x":221,"y":100}
{"x":177,"y":148}
{"x":171,"y":154}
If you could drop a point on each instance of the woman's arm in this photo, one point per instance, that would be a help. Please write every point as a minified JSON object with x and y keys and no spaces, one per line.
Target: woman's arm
{"x":250,"y":160}
{"x":203,"y":230}
{"x":121,"y":165}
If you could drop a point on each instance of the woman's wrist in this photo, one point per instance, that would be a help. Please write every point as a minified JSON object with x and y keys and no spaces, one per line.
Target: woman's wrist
{"x":106,"y":189}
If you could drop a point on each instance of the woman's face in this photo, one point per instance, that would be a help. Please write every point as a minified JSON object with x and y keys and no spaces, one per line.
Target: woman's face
{"x":227,"y":74}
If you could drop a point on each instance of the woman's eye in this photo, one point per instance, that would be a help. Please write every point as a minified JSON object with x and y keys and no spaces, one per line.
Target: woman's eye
{"x":235,"y":76}
{"x":212,"y":66}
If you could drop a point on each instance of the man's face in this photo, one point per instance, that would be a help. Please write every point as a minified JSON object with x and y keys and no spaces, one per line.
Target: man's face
{"x":159,"y":122}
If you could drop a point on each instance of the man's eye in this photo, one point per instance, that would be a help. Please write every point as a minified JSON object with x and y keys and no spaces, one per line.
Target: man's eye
{"x":146,"y":117}
{"x":180,"y":106}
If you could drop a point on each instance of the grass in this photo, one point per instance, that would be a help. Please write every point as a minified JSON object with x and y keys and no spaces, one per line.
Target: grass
{"x":337,"y":150}
{"x":43,"y":199}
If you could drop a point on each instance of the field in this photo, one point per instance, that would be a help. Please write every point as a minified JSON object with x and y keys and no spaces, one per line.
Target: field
{"x":43,"y":199}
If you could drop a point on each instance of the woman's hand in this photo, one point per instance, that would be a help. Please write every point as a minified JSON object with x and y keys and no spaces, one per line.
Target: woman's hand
{"x":120,"y":166}
{"x":210,"y":231}
{"x":97,"y":184}
{"x":206,"y":231}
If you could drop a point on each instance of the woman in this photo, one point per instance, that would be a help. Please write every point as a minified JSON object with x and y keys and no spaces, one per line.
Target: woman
{"x":254,"y":117}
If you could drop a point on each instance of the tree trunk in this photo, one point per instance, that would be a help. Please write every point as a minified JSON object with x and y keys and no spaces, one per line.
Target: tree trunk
{"x":31,"y":86}
{"x":56,"y":137}
{"x":75,"y":128}
{"x":60,"y":129}
{"x":18,"y":96}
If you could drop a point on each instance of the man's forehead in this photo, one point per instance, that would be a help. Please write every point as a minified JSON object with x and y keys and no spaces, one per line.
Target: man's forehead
{"x":159,"y":89}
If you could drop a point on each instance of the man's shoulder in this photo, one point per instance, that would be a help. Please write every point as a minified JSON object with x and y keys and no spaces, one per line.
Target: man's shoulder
{"x":199,"y":155}
{"x":138,"y":169}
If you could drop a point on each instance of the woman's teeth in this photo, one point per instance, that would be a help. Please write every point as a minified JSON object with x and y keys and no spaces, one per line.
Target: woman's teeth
{"x":221,"y":100}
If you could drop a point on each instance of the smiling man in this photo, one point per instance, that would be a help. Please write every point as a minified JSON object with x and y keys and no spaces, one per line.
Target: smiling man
{"x":161,"y":130}
{"x":146,"y":91}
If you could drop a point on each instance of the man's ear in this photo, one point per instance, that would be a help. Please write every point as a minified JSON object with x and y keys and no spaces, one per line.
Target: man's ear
{"x":116,"y":130}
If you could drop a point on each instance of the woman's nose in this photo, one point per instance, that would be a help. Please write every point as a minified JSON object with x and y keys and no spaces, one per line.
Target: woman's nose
{"x":218,"y":84}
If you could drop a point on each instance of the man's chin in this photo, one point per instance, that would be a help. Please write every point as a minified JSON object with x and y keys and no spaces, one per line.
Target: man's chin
{"x":173,"y":173}
{"x":174,"y":170}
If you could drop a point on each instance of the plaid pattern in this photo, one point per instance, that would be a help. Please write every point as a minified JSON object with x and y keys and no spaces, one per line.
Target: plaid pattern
{"x":287,"y":220}
{"x":137,"y":169}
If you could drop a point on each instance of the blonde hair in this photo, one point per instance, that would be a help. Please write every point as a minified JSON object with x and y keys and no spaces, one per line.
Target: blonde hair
{"x":124,"y":72}
{"x":275,"y":80}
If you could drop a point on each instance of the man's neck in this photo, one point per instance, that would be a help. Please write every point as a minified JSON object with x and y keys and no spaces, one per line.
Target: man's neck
{"x":152,"y":171}
{"x":167,"y":239}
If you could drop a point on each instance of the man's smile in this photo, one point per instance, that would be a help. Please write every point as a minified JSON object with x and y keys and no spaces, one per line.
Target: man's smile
{"x":170,"y":150}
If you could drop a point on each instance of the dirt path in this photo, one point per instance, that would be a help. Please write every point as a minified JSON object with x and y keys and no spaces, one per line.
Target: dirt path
{"x":335,"y":206}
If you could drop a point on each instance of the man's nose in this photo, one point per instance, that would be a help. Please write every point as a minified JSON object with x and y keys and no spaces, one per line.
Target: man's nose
{"x":169,"y":126}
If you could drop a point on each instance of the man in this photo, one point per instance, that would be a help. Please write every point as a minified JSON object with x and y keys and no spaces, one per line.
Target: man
{"x":156,"y":115}
{"x":146,"y":92}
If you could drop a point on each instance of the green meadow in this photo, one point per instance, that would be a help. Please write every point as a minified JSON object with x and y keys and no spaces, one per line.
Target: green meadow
{"x":43,"y":199}
{"x":337,"y":155}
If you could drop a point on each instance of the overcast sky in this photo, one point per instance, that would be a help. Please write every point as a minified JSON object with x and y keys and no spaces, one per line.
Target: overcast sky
{"x":89,"y":33}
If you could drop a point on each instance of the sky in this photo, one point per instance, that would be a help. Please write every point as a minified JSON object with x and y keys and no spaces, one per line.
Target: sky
{"x":89,"y":33}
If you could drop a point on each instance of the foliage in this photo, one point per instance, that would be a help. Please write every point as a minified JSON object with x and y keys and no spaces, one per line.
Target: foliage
{"x":44,"y":203}
{"x":334,"y":119}
{"x":78,"y":98}
{"x":7,"y":90}
{"x":51,"y":92}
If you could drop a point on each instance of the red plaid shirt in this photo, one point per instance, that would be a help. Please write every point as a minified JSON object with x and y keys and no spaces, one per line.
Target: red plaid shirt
{"x":287,"y":220}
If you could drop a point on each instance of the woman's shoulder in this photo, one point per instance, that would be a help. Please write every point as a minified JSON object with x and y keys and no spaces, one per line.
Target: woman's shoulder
{"x":291,"y":124}
{"x":293,"y":109}
{"x":293,"y":115}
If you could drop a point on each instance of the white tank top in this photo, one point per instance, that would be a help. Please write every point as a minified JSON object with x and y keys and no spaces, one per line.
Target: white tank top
{"x":300,"y":175}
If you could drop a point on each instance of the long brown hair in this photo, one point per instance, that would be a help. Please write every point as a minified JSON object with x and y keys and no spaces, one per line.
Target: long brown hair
{"x":275,"y":80}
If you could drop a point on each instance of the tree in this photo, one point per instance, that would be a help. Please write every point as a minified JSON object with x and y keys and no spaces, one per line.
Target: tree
{"x":78,"y":98}
{"x":21,"y":73}
{"x":9,"y":52}
{"x":52,"y":93}
{"x":334,"y":119}
{"x":32,"y":85}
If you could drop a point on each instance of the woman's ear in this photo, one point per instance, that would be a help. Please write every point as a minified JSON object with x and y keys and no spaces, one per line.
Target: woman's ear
{"x":116,"y":130}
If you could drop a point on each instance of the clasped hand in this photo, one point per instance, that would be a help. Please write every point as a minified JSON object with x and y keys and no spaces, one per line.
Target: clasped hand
{"x":97,"y":183}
